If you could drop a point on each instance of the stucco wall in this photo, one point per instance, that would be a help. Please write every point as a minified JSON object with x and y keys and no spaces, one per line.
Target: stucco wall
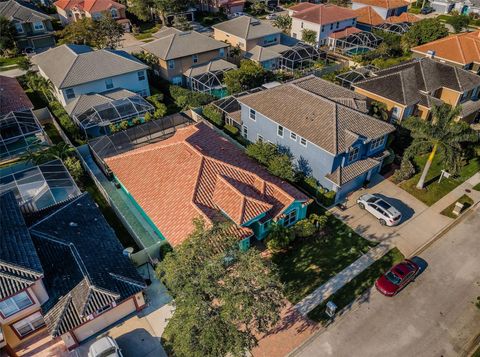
{"x":321,"y":35}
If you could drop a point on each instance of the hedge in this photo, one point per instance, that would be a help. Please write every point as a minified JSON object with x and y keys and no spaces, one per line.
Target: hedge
{"x":186,"y":98}
{"x":65,"y":122}
{"x":230,"y":129}
{"x":213,"y":113}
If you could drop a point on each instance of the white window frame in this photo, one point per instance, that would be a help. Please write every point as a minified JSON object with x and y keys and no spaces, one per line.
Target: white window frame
{"x":141,"y":75}
{"x":293,"y":136}
{"x":28,"y":322}
{"x":19,"y":27}
{"x":14,"y":303}
{"x":68,"y":96}
{"x":290,"y":218}
{"x":260,"y":138}
{"x":252,"y":114}
{"x":280,"y":129}
{"x":303,"y":141}
{"x":114,"y":13}
{"x":40,"y":28}
{"x":353,"y":154}
{"x":245,"y":131}
{"x":376,"y":143}
{"x":109,"y":83}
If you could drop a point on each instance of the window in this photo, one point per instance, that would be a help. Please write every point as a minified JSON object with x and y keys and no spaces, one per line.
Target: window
{"x":303,"y":141}
{"x":376,"y":143}
{"x":290,"y":218}
{"x":19,"y":27}
{"x":15,"y":304}
{"x":280,"y":131}
{"x":337,"y":25}
{"x":301,"y":25}
{"x":221,"y":52}
{"x":244,"y":131}
{"x":293,"y":136}
{"x":171,"y":64}
{"x":109,"y":83}
{"x":353,"y":154}
{"x":323,"y":28}
{"x":29,"y":324}
{"x":195,"y":58}
{"x":331,"y":26}
{"x":253,"y":114}
{"x":260,"y":138}
{"x":141,"y":75}
{"x":114,"y":13}
{"x":38,"y":26}
{"x":70,"y":93}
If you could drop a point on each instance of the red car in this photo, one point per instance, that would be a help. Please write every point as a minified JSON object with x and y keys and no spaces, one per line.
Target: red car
{"x":394,"y":280}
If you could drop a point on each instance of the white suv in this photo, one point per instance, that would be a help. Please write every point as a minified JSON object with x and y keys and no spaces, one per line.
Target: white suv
{"x":387,"y":214}
{"x":105,"y":347}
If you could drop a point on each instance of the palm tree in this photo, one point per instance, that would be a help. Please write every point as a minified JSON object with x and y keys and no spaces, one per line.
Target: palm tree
{"x":39,"y":84}
{"x":58,"y":151}
{"x":284,"y":23}
{"x":442,"y":134}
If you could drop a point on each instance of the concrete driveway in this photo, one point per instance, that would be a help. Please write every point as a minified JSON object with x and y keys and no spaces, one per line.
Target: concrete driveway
{"x":366,"y":224}
{"x":432,"y":317}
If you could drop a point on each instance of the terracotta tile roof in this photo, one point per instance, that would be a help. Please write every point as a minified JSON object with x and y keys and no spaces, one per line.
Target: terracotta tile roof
{"x":462,"y":48}
{"x":325,"y":14}
{"x":195,"y":173}
{"x":301,"y":6}
{"x":386,"y":4}
{"x":88,"y":5}
{"x":344,"y":33}
{"x":12,"y":96}
{"x":404,"y":17}
{"x":367,"y":15}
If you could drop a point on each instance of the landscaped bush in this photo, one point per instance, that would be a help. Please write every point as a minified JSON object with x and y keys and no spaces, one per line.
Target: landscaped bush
{"x":187,"y":99}
{"x":405,"y":172}
{"x":233,"y":130}
{"x":165,"y":249}
{"x":213,"y":113}
{"x":65,"y":121}
{"x":304,"y":228}
{"x":325,"y":197}
{"x":279,"y":237}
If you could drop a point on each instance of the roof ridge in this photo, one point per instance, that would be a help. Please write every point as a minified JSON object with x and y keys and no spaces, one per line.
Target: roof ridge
{"x":71,"y":66}
{"x":126,"y":280}
{"x":20,"y":268}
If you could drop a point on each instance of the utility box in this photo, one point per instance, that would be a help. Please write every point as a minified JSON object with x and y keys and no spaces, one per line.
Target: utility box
{"x":458,"y":208}
{"x":331,"y":309}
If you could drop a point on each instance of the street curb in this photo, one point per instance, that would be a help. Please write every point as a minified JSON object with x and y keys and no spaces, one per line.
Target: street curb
{"x":444,"y":231}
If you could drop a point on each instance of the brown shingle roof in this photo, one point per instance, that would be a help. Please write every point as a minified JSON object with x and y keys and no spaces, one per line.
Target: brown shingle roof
{"x":195,"y":173}
{"x":342,"y":175}
{"x":367,"y":15}
{"x":324,"y":122}
{"x":462,"y":48}
{"x":386,"y":4}
{"x":12,"y":96}
{"x":325,"y":14}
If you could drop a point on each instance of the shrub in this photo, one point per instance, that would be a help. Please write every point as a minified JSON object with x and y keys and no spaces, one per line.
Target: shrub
{"x":405,"y":172}
{"x":65,"y":121}
{"x":279,"y":237}
{"x":233,"y":130}
{"x":281,"y":166}
{"x":319,"y":222}
{"x":312,"y":183}
{"x":262,"y":151}
{"x":75,"y":168}
{"x":187,"y":99}
{"x":304,"y":228}
{"x":165,"y":248}
{"x":213,"y":113}
{"x":123,"y":125}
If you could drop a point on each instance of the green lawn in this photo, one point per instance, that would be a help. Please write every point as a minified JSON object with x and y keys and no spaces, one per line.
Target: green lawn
{"x":147,"y":29}
{"x":477,"y":187}
{"x":467,"y":202}
{"x":358,"y":285}
{"x":310,"y":262}
{"x":10,"y":61}
{"x":433,"y":190}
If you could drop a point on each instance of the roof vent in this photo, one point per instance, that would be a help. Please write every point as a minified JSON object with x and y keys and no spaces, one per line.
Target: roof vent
{"x":73,"y":224}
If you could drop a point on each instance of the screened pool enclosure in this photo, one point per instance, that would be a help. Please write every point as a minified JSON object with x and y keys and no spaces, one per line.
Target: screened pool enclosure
{"x":357,"y":43}
{"x":19,"y":132}
{"x":97,"y":119}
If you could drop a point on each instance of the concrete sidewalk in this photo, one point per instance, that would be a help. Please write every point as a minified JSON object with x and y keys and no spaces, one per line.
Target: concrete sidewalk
{"x":323,"y":292}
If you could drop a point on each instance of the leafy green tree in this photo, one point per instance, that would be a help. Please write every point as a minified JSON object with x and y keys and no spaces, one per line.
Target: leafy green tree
{"x":284,"y":23}
{"x":459,"y":22}
{"x":80,"y":32}
{"x":181,"y":23}
{"x":309,"y":36}
{"x":213,"y":113}
{"x":108,"y":33}
{"x":379,"y":110}
{"x":258,"y":8}
{"x":39,"y":84}
{"x":304,"y":228}
{"x":249,"y":75}
{"x":426,"y":30}
{"x":223,"y":297}
{"x":262,"y":151}
{"x":442,"y":134}
{"x":7,"y":35}
{"x":282,"y":166}
{"x":75,"y":168}
{"x":279,"y":237}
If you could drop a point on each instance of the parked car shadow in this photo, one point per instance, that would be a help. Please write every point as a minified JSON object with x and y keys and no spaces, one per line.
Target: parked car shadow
{"x":406,"y":211}
{"x":422,"y":264}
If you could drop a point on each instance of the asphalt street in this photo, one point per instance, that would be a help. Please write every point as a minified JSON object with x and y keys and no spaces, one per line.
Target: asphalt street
{"x":434,"y":316}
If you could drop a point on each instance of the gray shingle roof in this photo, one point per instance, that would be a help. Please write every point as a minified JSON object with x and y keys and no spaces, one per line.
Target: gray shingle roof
{"x":19,"y":262}
{"x":22,"y":12}
{"x":324,"y":122}
{"x":260,"y":54}
{"x":86,"y":101}
{"x":71,"y":65}
{"x":408,"y":82}
{"x":84,"y":266}
{"x":342,"y":175}
{"x":247,"y":27}
{"x":212,"y":66}
{"x":177,"y":44}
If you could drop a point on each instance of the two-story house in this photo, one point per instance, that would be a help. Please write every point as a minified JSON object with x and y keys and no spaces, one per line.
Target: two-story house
{"x":414,"y":87}
{"x":247,"y":32}
{"x":22,"y":291}
{"x":74,"y":10}
{"x":204,"y":175}
{"x":178,"y":51}
{"x":76,"y":69}
{"x":33,"y":28}
{"x":324,"y":126}
{"x":461,"y":50}
{"x":385,"y":8}
{"x":323,"y":19}
{"x":229,"y":6}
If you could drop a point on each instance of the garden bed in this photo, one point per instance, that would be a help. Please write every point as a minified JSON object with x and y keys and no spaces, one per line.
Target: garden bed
{"x":356,"y":287}
{"x":310,"y":262}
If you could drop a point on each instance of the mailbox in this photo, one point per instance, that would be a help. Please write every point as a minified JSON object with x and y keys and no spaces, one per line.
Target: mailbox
{"x":331,"y":308}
